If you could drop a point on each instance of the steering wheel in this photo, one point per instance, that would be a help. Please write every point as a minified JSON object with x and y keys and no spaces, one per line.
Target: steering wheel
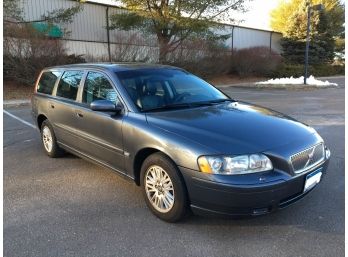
{"x":180,"y":97}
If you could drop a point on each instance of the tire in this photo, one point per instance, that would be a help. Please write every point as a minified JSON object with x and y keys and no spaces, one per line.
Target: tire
{"x":49,"y":140}
{"x":153,"y":165}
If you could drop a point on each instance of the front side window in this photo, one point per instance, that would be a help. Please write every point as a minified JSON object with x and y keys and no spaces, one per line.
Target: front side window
{"x":47,"y":81}
{"x":98,"y":87}
{"x":69,"y":84}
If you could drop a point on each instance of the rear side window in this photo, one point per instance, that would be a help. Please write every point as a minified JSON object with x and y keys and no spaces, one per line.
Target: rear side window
{"x":47,"y":81}
{"x":98,"y":87}
{"x":69,"y":84}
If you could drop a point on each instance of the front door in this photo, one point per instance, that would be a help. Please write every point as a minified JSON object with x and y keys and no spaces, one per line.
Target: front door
{"x":100,"y":132}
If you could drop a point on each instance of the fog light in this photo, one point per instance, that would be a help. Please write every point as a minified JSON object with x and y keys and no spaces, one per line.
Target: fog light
{"x":327,"y":153}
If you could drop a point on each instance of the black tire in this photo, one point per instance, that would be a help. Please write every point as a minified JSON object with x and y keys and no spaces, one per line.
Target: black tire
{"x":179,"y":208}
{"x":56,"y":151}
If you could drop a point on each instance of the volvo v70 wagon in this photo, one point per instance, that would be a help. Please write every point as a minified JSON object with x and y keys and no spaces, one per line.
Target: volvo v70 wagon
{"x":187,"y":144}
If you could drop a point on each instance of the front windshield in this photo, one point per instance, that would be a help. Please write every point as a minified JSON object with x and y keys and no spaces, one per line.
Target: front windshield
{"x":152,"y":89}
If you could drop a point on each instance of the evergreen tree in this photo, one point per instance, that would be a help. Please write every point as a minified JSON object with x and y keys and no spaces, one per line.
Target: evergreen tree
{"x":290,"y":18}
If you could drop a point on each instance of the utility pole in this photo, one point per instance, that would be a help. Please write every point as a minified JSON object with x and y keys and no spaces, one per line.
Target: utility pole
{"x":318,"y":7}
{"x":108,"y":32}
{"x":307,"y":43}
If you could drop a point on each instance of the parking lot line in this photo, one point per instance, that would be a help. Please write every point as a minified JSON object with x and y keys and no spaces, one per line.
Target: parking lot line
{"x":21,"y":120}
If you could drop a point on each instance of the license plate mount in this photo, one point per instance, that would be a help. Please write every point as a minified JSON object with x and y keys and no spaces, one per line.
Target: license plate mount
{"x":312,"y":179}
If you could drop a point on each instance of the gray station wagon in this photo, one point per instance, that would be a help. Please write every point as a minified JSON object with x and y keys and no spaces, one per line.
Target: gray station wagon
{"x":187,"y":144}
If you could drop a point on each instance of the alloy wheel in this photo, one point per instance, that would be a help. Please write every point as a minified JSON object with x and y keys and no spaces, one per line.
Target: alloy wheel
{"x":47,"y":139}
{"x":159,"y":189}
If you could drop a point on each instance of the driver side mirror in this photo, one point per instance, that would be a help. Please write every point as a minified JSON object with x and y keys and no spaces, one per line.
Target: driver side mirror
{"x":105,"y":106}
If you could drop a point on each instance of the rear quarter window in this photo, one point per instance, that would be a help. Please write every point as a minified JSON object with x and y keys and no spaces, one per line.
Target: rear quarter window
{"x":47,"y":81}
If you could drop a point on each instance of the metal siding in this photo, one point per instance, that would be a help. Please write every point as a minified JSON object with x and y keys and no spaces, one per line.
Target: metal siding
{"x":133,"y":37}
{"x":225,"y":30}
{"x":244,"y":38}
{"x":92,"y":51}
{"x":276,"y":37}
{"x":90,"y":25}
{"x":134,"y":53}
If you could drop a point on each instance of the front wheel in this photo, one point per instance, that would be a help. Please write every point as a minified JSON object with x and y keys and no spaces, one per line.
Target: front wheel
{"x":163,"y":188}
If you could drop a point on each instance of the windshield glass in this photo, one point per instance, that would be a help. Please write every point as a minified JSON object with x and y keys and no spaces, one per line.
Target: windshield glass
{"x":160,"y":88}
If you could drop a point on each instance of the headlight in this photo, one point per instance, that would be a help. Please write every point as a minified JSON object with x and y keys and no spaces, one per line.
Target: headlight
{"x":233,"y":165}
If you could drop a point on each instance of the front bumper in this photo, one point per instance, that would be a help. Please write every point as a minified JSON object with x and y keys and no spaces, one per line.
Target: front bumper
{"x":252,"y":194}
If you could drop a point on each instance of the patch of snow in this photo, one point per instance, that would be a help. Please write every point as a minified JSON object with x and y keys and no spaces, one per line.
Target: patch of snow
{"x":311,"y":81}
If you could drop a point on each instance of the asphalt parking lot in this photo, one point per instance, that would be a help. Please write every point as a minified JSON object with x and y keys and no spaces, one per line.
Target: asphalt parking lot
{"x":69,"y":207}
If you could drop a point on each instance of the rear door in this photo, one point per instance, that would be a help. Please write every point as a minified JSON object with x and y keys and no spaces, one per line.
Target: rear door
{"x":62,"y":108}
{"x":100,"y":132}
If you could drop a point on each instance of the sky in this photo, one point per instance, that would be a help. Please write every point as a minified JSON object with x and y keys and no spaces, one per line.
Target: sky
{"x":256,"y":17}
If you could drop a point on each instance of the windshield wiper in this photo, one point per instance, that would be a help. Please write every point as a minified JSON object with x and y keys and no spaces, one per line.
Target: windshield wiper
{"x":222,"y":100}
{"x":178,"y":105}
{"x":188,"y":105}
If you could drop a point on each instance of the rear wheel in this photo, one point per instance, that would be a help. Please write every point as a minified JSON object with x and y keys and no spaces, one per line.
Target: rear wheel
{"x":163,"y":188}
{"x":49,"y":140}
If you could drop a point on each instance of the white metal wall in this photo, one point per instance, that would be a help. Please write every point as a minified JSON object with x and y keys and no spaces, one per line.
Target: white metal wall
{"x":244,"y":38}
{"x":88,"y":34}
{"x":276,"y":37}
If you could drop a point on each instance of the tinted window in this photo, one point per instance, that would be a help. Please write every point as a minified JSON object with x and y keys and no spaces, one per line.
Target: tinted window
{"x":69,"y":83}
{"x":154,"y":88}
{"x":98,"y":87}
{"x":47,"y":81}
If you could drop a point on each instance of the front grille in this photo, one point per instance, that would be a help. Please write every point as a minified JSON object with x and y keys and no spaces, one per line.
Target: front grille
{"x":308,"y":158}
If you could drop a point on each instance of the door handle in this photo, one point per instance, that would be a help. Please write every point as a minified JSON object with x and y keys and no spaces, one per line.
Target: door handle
{"x":79,"y":114}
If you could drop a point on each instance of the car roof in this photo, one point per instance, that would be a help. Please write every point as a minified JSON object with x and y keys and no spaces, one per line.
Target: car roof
{"x":114,"y":66}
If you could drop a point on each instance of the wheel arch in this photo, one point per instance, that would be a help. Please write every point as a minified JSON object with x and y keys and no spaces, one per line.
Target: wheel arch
{"x":140,"y":157}
{"x":40,"y":119}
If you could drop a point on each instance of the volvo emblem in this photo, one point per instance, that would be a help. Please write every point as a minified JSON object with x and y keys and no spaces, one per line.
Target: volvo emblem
{"x":310,"y":157}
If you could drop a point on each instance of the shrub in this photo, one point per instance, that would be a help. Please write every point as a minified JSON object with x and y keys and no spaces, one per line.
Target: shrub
{"x":126,"y":51}
{"x":254,"y":61}
{"x":206,"y":67}
{"x":288,"y":70}
{"x":27,"y":52}
{"x":327,"y":70}
{"x":205,"y":58}
{"x":297,"y":70}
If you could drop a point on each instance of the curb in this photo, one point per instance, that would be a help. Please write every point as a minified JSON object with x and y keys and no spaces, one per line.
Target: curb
{"x":14,"y":103}
{"x":333,"y":77}
{"x":246,"y":84}
{"x":293,"y":86}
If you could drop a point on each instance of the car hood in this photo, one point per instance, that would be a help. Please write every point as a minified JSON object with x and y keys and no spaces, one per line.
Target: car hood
{"x":232,"y":128}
